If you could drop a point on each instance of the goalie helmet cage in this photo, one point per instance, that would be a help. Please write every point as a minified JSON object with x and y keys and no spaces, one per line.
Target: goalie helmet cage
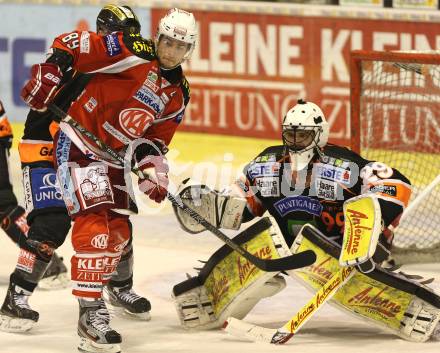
{"x":395,"y":119}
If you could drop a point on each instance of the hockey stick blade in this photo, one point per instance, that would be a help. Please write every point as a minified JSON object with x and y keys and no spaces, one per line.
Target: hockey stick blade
{"x":291,"y":262}
{"x":281,"y":335}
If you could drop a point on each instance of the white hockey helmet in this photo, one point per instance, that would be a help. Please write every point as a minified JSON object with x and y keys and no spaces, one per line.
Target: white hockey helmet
{"x":180,"y":25}
{"x":305,"y":130}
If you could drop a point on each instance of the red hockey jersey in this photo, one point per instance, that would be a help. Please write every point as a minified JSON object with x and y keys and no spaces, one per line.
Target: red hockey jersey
{"x":130,"y":96}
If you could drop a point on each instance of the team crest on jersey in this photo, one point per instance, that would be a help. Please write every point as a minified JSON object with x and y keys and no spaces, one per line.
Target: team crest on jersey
{"x":135,"y":121}
{"x":298,"y":203}
{"x":330,"y":172}
{"x":151,"y":100}
{"x":112,"y":44}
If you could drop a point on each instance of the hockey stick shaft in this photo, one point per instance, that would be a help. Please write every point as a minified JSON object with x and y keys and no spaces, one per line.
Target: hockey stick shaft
{"x":291,"y":262}
{"x":287,"y":331}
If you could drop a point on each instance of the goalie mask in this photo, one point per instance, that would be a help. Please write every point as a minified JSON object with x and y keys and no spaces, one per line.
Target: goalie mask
{"x":305,"y":131}
{"x":179,"y":25}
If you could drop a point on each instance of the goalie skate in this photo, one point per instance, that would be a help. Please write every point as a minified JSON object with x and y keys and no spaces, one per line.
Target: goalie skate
{"x":56,"y":276}
{"x":124,"y":302}
{"x":94,"y":331}
{"x":16,"y":314}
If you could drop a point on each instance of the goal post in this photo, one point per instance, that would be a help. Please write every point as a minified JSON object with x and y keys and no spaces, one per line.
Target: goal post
{"x":395,"y":119}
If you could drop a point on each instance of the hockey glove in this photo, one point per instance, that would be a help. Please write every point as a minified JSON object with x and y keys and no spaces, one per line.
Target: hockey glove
{"x":40,"y":89}
{"x":5,"y":129}
{"x":155,"y":188}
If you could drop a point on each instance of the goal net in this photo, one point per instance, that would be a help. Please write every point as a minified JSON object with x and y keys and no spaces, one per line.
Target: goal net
{"x":395,"y":119}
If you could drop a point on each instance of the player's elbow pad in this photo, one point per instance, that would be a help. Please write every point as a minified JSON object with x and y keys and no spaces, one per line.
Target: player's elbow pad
{"x":62,"y":58}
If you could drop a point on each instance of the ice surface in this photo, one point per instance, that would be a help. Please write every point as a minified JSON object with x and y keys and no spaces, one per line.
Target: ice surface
{"x":163,"y":254}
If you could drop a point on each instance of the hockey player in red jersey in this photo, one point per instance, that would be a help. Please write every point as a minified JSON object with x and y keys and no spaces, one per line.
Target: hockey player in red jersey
{"x":136,"y":98}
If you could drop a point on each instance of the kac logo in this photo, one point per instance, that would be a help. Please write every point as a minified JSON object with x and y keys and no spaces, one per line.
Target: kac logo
{"x":135,"y":121}
{"x":100,"y":241}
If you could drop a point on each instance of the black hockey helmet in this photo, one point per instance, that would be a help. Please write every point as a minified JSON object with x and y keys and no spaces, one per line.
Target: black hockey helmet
{"x":114,"y":18}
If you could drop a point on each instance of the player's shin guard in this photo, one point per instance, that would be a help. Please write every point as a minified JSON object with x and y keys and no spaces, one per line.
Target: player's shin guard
{"x":16,"y":314}
{"x":56,"y":276}
{"x":98,"y":239}
{"x":119,"y":294}
{"x":228,"y":285}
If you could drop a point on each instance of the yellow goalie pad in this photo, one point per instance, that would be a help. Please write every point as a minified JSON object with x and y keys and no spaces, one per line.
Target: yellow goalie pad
{"x":363,"y":219}
{"x":374,"y":297}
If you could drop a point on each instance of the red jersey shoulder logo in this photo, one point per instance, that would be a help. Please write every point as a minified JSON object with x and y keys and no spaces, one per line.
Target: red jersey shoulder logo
{"x":135,"y":121}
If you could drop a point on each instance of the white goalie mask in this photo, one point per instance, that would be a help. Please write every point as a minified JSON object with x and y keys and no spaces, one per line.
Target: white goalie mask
{"x":181,"y":25}
{"x":305,"y":130}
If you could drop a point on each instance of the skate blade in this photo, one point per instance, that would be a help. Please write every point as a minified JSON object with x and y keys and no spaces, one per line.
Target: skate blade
{"x":59,"y":281}
{"x":125,"y":314}
{"x":15,"y":325}
{"x":88,"y":346}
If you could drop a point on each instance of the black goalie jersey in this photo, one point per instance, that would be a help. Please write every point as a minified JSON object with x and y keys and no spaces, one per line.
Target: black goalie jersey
{"x":317,"y":195}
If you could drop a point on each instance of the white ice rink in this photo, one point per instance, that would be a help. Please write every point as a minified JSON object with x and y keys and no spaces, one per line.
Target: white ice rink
{"x":163,"y":254}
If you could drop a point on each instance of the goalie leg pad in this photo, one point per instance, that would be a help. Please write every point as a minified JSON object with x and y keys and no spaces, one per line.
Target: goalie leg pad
{"x":228,"y":285}
{"x":391,"y":300}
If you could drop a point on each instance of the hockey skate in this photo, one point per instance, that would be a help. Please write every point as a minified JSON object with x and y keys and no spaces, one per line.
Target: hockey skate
{"x":56,"y":276}
{"x":93,"y":328}
{"x":15,"y":313}
{"x":124,"y":302}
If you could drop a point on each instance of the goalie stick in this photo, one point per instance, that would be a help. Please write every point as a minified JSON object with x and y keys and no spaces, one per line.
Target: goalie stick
{"x":302,"y":259}
{"x":281,"y":335}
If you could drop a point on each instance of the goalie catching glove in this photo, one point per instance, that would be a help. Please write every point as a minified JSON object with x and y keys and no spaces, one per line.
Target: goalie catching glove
{"x":218,"y":208}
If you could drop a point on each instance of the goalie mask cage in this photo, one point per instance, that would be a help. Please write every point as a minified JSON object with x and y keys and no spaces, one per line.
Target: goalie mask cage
{"x":395,"y":119}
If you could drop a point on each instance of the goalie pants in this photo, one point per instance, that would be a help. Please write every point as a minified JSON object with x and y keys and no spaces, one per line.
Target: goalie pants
{"x":98,"y":240}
